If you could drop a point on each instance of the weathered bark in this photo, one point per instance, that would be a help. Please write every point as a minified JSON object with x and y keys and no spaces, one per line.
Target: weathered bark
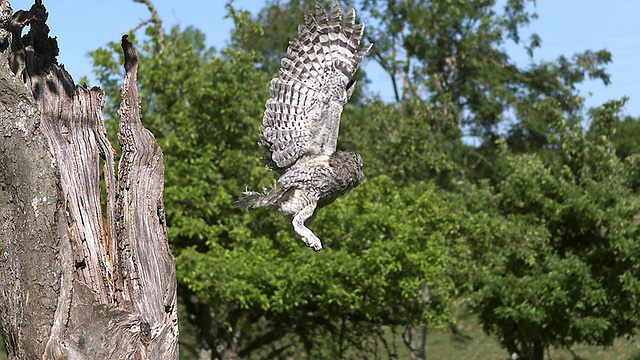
{"x":78,"y":279}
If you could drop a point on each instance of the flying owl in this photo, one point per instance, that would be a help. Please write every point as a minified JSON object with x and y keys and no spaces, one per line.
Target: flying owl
{"x":302,"y":119}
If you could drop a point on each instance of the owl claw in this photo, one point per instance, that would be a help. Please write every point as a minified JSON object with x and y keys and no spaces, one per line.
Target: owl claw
{"x":309,"y":238}
{"x":313,"y":242}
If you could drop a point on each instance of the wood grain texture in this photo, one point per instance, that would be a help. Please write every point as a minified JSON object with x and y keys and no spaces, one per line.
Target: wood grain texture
{"x":81,"y":277}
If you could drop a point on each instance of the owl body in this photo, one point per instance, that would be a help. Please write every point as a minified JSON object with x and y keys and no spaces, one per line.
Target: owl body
{"x":302,"y":119}
{"x":323,"y":179}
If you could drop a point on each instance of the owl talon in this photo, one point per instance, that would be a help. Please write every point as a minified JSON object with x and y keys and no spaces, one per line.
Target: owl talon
{"x":313,"y":242}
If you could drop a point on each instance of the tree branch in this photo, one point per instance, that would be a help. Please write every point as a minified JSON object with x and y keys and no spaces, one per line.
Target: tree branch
{"x":380,"y":60}
{"x":155,"y":18}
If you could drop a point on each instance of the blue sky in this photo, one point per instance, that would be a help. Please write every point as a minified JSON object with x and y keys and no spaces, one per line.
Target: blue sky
{"x":566,"y":27}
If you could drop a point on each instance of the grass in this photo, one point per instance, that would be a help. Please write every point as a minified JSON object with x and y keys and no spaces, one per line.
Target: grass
{"x":472,"y":343}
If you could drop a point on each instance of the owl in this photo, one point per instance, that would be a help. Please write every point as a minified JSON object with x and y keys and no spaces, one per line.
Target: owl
{"x":302,"y":119}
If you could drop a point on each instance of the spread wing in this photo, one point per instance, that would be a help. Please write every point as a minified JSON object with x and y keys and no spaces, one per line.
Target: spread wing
{"x":302,"y":117}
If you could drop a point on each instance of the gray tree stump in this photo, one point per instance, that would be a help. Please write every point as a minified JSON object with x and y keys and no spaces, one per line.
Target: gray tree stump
{"x":81,"y":277}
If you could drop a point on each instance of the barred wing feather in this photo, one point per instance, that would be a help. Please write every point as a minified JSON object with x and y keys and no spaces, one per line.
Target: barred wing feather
{"x":302,"y":117}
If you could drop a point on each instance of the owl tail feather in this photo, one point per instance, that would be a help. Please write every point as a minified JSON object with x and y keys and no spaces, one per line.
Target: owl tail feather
{"x":253,"y":199}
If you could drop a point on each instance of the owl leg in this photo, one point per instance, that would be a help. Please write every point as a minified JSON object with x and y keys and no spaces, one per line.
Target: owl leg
{"x":305,"y":233}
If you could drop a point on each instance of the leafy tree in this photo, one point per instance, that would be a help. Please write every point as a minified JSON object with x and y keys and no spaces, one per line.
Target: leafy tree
{"x":625,"y":137}
{"x":522,"y":226}
{"x":248,"y":286}
{"x":409,"y":143}
{"x":561,"y":266}
{"x":453,"y":54}
{"x":278,"y":22}
{"x":371,"y":275}
{"x":450,"y":58}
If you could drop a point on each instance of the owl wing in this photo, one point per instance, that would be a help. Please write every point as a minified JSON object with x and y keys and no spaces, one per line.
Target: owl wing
{"x":302,"y":117}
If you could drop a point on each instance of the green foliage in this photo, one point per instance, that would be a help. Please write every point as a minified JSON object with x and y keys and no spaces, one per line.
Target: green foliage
{"x":259,"y":284}
{"x":279,"y":24}
{"x":537,"y":227}
{"x":452,"y":53}
{"x":625,"y":137}
{"x":562,"y":267}
{"x":379,"y":255}
{"x":408,"y":142}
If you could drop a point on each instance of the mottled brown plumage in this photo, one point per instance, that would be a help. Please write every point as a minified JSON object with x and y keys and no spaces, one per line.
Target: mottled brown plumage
{"x":302,"y":119}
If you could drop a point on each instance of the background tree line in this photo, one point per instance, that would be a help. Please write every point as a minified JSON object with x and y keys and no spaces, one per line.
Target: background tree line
{"x":534,"y":228}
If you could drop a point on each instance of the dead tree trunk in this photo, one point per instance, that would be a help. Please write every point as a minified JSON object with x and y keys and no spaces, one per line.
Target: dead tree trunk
{"x":81,"y":277}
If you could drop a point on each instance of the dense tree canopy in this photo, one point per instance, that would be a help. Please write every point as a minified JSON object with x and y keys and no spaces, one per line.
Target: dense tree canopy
{"x":566,"y":271}
{"x":536,"y":226}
